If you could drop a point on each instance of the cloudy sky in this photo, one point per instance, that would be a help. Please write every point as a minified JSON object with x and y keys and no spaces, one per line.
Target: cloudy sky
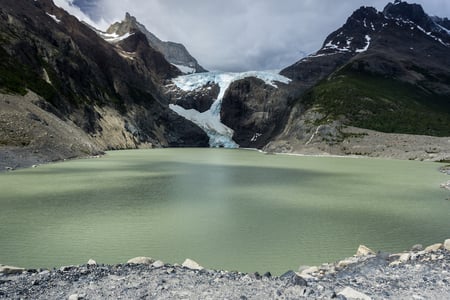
{"x":237,"y":35}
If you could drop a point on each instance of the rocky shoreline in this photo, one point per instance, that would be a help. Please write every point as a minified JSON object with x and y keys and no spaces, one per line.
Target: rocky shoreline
{"x":421,"y":273}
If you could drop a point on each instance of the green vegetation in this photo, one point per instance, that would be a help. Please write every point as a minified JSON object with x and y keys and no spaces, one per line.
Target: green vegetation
{"x":382,"y":104}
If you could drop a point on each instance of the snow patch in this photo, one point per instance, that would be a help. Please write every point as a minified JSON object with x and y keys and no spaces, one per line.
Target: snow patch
{"x":332,"y":46}
{"x":443,"y":28}
{"x":432,"y":36}
{"x":185,"y":69}
{"x":54,"y":18}
{"x":219,"y":134}
{"x":368,"y":39}
{"x":114,"y":38}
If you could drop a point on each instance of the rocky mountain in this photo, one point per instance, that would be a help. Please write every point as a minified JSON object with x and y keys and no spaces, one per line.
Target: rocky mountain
{"x":174,"y":53}
{"x":386,"y":71}
{"x":109,"y":94}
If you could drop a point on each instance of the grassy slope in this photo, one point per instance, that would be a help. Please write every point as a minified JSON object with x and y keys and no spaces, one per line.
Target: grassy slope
{"x":381,"y":104}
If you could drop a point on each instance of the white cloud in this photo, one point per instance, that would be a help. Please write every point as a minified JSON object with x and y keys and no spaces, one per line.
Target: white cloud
{"x":236,"y":35}
{"x":74,"y":10}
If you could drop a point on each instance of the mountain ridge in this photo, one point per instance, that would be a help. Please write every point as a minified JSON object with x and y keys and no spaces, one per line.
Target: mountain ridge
{"x":175,"y":53}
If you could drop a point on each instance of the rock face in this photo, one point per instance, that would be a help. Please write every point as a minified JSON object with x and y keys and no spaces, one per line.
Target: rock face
{"x":174,"y":53}
{"x":110,"y":94}
{"x":254,"y":110}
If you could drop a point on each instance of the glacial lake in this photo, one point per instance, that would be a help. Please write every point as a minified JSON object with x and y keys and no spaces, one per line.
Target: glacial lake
{"x":227,"y":209}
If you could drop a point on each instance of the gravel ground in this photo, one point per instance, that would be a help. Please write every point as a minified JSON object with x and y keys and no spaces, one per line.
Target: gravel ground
{"x":416,"y":274}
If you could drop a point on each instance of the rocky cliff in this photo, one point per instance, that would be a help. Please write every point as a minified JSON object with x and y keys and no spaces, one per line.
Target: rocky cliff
{"x":112,"y":93}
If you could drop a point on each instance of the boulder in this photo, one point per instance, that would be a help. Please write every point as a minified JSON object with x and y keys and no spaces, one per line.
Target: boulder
{"x":447,"y":245}
{"x":350,"y":293}
{"x":293,"y":278}
{"x":404,"y":257}
{"x":158,"y":264}
{"x":10,"y":270}
{"x":191,"y":264}
{"x":417,"y":247}
{"x":363,"y":251}
{"x":433,"y":248}
{"x":141,"y":260}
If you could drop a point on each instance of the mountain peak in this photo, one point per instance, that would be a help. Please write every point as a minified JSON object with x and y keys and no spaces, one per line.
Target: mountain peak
{"x":174,"y":53}
{"x":406,"y":11}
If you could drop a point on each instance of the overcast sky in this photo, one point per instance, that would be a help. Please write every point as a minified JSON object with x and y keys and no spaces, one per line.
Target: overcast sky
{"x":237,"y":35}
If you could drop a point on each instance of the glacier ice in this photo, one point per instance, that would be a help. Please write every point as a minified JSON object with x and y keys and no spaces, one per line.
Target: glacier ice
{"x":219,"y":134}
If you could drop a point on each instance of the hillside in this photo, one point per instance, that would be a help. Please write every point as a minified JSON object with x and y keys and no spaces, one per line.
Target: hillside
{"x":110,"y":93}
{"x":381,"y":71}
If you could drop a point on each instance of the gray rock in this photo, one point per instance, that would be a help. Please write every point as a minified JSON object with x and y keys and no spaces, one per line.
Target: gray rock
{"x":447,"y":245}
{"x":10,"y":270}
{"x":141,"y":260}
{"x":433,"y":248}
{"x":364,"y":250}
{"x":191,"y":264}
{"x":293,"y":278}
{"x":405,"y":257}
{"x":417,"y":247}
{"x":351,"y":294}
{"x":158,"y":264}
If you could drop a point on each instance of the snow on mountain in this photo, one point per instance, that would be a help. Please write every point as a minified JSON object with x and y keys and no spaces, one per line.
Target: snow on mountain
{"x":185,"y":69}
{"x":368,"y":39}
{"x":54,"y":18}
{"x":115,"y":38}
{"x":219,"y":134}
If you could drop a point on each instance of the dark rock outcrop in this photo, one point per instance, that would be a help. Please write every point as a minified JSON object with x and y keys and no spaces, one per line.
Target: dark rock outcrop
{"x":254,"y":110}
{"x":88,"y":82}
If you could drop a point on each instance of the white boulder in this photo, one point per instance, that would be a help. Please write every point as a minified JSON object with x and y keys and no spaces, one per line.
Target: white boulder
{"x":191,"y":264}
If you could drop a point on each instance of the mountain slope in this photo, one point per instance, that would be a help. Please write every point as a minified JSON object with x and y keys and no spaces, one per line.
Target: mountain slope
{"x":386,"y":71}
{"x":111,"y":92}
{"x":175,"y":53}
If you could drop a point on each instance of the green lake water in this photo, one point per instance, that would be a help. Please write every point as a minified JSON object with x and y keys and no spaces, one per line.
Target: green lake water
{"x":228,"y":209}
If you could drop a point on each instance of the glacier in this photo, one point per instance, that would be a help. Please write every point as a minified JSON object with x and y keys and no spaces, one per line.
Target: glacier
{"x":219,"y":134}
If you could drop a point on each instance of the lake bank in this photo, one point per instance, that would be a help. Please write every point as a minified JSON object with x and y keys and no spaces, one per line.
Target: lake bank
{"x":421,"y":273}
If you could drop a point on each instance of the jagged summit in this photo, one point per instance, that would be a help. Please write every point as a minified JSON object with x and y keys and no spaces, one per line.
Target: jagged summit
{"x":414,"y":14}
{"x":175,"y":53}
